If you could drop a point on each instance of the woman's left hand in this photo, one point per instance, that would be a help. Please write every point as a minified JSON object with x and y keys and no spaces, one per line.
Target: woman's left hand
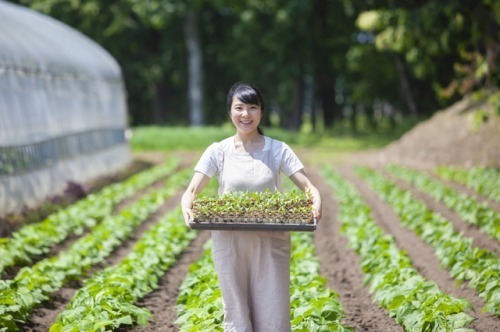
{"x":317,"y":208}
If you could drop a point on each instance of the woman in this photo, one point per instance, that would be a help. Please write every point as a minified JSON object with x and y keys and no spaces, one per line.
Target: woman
{"x":253,"y":266}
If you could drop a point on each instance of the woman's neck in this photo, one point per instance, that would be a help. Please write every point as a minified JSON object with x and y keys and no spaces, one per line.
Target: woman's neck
{"x":249,"y":143}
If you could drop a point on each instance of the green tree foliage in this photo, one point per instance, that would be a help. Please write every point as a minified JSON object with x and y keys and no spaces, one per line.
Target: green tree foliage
{"x":411,"y":56}
{"x":452,"y":46}
{"x":146,"y":39}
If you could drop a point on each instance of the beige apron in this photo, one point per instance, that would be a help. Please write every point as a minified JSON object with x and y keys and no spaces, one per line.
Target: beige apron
{"x":253,"y":266}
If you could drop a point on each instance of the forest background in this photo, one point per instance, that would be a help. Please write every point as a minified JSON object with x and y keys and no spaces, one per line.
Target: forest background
{"x":319,"y":62}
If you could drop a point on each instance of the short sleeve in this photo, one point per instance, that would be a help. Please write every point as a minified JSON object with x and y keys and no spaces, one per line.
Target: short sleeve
{"x":209,"y":161}
{"x":289,"y":163}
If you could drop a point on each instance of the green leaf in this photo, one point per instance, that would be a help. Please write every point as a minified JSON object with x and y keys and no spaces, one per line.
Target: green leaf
{"x":460,"y":320}
{"x":127,"y":320}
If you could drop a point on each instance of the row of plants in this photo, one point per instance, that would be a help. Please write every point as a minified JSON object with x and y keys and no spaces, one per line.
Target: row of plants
{"x":33,"y":285}
{"x":486,"y":181}
{"x":479,"y":267}
{"x":107,"y":299}
{"x":37,"y":239}
{"x":470,"y":210}
{"x":199,"y":303}
{"x":313,"y":306}
{"x":268,"y":207}
{"x":415,"y":303}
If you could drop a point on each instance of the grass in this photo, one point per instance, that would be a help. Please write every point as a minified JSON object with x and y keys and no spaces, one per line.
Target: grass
{"x":340,"y":139}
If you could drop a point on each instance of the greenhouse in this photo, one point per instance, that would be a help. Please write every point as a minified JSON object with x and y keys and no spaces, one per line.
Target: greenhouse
{"x":63,"y":113}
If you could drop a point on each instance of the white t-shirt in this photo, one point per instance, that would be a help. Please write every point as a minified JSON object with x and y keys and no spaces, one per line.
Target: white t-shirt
{"x":210,"y":162}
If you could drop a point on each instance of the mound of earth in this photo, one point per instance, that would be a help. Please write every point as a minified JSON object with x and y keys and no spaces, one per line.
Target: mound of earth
{"x":449,"y":137}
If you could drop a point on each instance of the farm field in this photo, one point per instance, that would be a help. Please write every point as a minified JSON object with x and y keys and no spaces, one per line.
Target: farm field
{"x":106,"y":108}
{"x":434,"y":271}
{"x":400,"y":247}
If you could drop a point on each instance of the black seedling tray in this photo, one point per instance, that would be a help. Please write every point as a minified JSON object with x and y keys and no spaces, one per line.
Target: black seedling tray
{"x":251,"y":226}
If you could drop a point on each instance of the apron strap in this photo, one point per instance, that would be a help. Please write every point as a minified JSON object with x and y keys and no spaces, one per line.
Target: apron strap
{"x":277,"y":165}
{"x":221,"y":169}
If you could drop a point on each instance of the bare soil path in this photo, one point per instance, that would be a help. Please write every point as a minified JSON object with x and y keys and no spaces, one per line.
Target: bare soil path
{"x":468,"y":191}
{"x":161,"y":302}
{"x":44,"y":316}
{"x":337,"y":263}
{"x":422,"y":255}
{"x":341,"y":266}
{"x":480,"y":239}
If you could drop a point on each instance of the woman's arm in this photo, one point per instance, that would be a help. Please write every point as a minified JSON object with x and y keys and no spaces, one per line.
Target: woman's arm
{"x":302,"y":181}
{"x":198,"y":182}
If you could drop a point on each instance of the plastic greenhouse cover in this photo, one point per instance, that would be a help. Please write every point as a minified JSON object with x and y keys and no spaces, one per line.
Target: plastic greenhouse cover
{"x":54,"y":81}
{"x":32,"y":41}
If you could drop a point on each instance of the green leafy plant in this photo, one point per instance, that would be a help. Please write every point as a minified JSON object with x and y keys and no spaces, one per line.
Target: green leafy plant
{"x":33,"y":285}
{"x":293,"y":207}
{"x":415,"y":303}
{"x":479,"y":214}
{"x":479,"y":267}
{"x":107,"y":299}
{"x":313,"y":306}
{"x":486,"y":181}
{"x":37,"y":239}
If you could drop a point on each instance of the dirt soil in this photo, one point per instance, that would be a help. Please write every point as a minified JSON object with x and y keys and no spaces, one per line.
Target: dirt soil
{"x":339,"y":264}
{"x":73,"y":192}
{"x":422,"y":147}
{"x":450,"y":137}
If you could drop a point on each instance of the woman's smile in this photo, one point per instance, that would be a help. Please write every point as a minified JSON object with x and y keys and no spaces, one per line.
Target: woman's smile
{"x":246,"y":117}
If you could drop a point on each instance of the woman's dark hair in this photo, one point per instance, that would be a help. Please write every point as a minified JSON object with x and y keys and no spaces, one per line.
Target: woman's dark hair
{"x":248,"y":94}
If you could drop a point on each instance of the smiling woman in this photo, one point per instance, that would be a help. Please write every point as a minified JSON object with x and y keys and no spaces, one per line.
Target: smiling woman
{"x":248,"y":105}
{"x":250,"y":162}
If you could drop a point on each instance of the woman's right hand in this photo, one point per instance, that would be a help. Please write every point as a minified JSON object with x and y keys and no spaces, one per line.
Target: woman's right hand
{"x":198,"y":182}
{"x":188,"y":215}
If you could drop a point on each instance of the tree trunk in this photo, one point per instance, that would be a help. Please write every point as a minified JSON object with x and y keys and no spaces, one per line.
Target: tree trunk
{"x":327,"y":93}
{"x":298,"y":106}
{"x":195,"y":69}
{"x":353,"y":118}
{"x":159,"y":104}
{"x":405,"y":88}
{"x":323,"y":77}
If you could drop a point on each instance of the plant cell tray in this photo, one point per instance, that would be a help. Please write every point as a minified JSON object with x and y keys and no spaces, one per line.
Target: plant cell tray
{"x":252,"y":226}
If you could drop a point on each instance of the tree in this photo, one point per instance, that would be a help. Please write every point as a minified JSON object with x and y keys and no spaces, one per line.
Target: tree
{"x":195,"y":69}
{"x":434,"y":38}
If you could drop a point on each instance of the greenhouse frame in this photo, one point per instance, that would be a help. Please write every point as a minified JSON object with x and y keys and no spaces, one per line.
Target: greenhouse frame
{"x":63,"y":113}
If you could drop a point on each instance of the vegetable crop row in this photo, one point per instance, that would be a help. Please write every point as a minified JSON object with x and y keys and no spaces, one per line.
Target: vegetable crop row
{"x":38,"y":238}
{"x":415,"y":303}
{"x":199,"y":304}
{"x":473,"y":212}
{"x":33,"y":285}
{"x":479,"y":267}
{"x":486,"y":181}
{"x":107,"y":299}
{"x":313,"y":306}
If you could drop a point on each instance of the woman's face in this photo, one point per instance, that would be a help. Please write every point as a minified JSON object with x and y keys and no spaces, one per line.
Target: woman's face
{"x":246,"y":117}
